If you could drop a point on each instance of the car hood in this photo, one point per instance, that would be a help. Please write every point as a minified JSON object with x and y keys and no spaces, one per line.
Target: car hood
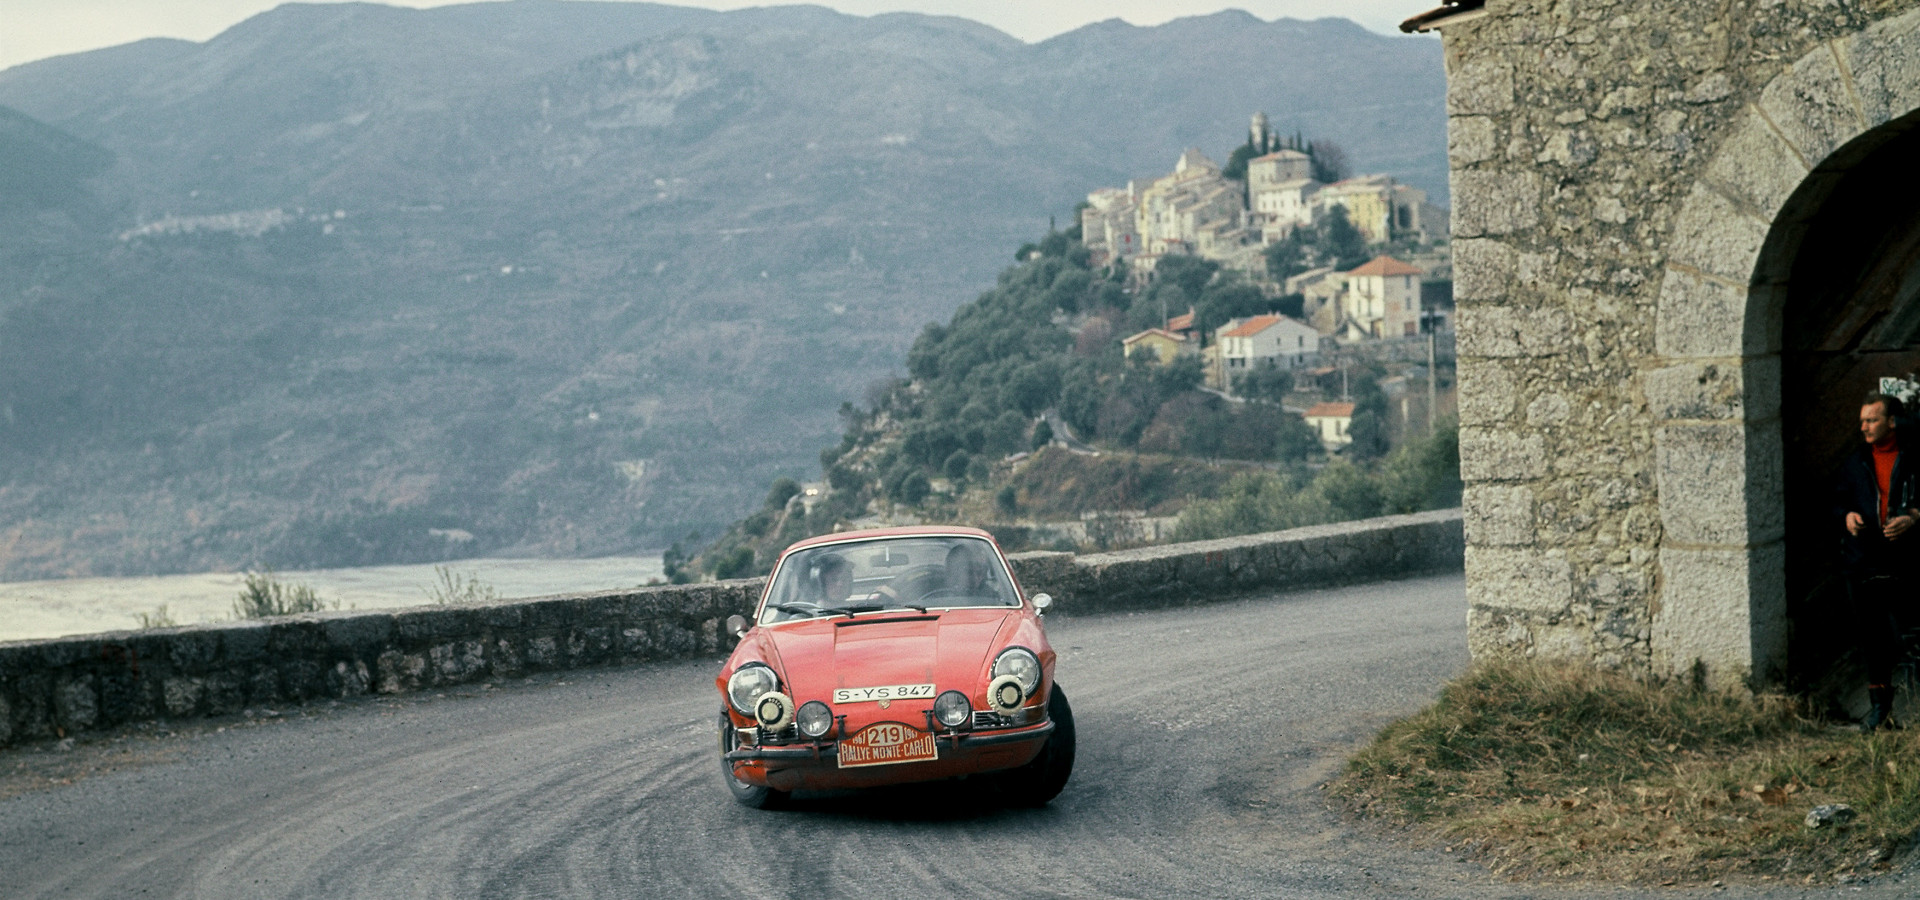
{"x":949,"y":649}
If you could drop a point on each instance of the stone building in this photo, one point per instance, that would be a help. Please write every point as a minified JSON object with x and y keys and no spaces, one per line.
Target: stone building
{"x":1685,"y":243}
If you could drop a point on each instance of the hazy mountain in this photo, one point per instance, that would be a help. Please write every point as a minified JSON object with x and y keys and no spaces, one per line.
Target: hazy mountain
{"x":354,"y":281}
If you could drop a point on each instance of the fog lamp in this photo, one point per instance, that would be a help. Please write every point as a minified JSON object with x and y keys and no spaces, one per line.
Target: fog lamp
{"x":952,"y":709}
{"x":815,"y":718}
{"x":775,"y":710}
{"x":1005,"y":693}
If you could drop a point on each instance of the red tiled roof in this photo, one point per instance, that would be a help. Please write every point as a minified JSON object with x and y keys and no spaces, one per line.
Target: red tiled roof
{"x":1331,"y":410}
{"x":1254,"y":326}
{"x":1181,"y":322}
{"x":1386,"y":265}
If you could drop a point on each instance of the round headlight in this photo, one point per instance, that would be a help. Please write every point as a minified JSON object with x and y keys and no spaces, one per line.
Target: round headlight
{"x":774,"y":710}
{"x":952,"y":709}
{"x":1022,"y":665}
{"x":747,"y":684}
{"x":815,"y":718}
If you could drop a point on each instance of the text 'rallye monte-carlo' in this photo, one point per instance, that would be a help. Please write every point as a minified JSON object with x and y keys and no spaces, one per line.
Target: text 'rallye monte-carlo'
{"x":892,"y":656}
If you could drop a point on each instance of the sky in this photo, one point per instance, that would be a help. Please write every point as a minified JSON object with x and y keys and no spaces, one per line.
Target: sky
{"x":36,"y":29}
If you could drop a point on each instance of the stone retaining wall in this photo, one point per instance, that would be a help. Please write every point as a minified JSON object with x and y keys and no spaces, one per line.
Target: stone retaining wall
{"x":57,"y":687}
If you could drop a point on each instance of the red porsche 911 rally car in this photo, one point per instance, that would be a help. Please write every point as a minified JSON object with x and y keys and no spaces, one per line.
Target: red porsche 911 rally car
{"x":891,"y":656}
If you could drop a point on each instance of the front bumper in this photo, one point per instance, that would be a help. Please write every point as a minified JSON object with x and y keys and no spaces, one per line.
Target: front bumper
{"x":815,"y":766}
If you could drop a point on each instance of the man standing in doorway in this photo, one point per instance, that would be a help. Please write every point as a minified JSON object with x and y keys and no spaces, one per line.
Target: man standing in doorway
{"x":1877,"y":503}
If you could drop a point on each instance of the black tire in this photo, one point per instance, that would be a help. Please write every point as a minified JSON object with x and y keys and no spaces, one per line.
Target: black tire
{"x":1041,"y":780}
{"x":749,"y":795}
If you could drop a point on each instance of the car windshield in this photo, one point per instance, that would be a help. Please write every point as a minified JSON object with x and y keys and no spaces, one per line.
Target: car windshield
{"x":888,"y":573}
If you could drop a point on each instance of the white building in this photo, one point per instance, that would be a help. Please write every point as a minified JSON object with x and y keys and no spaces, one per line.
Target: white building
{"x":1280,"y":191}
{"x":1333,"y":422}
{"x":1244,"y":343}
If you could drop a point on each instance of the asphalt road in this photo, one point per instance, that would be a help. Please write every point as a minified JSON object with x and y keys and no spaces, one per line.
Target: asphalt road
{"x":1204,"y":735}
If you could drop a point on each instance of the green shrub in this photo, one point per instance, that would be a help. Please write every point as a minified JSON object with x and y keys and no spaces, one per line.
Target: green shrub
{"x":264,"y":595}
{"x":451,"y":587}
{"x":159,"y":618}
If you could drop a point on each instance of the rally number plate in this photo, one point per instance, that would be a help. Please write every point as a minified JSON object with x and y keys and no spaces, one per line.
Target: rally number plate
{"x":884,"y":692}
{"x":886,"y":743}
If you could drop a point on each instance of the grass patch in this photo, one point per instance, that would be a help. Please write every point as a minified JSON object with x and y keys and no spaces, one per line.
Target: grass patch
{"x":1557,"y":771}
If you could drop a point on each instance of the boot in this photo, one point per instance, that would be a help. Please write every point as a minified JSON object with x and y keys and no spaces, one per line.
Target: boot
{"x":1880,"y":713}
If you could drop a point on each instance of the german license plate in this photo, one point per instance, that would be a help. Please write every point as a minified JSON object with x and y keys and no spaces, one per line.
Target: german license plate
{"x":843,"y":696}
{"x":886,"y":743}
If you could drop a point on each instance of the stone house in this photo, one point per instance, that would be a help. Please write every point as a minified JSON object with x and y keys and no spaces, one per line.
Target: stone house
{"x":1676,"y":271}
{"x":1381,"y":297}
{"x":1163,"y":346}
{"x":1109,"y":225}
{"x":1380,"y":207}
{"x":1172,"y":210}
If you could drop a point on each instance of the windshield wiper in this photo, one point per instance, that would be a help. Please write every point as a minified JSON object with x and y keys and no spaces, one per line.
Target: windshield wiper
{"x":808,"y":609}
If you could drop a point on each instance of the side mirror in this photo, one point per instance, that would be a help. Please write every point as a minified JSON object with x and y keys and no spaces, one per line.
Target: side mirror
{"x":1042,"y":603}
{"x":737,"y":625}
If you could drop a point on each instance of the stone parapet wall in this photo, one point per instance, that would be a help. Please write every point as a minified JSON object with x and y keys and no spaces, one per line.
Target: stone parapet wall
{"x":62,"y":686}
{"x":1205,"y":571}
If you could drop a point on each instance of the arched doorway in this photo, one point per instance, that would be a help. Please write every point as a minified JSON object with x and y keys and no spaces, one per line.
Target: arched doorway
{"x":1786,"y":290}
{"x":1849,"y":315}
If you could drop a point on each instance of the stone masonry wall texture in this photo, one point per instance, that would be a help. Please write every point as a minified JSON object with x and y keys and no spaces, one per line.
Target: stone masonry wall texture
{"x":59,"y":687}
{"x":1619,"y":168}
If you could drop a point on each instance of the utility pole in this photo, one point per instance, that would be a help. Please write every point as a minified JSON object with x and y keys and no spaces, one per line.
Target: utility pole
{"x":1430,"y":323}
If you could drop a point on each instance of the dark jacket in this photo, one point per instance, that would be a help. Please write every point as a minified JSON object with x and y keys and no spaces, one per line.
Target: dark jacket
{"x":1869,"y":553}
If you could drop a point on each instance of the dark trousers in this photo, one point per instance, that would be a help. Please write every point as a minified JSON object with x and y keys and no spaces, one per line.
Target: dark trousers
{"x":1880,"y":609}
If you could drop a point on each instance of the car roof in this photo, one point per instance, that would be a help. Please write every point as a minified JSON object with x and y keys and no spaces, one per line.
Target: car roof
{"x":839,"y":537}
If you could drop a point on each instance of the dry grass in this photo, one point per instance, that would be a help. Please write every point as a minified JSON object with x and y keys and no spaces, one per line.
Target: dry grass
{"x":1542,"y":770}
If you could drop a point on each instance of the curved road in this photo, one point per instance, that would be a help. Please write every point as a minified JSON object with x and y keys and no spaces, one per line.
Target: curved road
{"x":1204,"y":735}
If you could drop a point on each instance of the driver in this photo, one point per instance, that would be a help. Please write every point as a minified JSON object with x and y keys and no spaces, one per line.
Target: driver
{"x":967,"y":571}
{"x":835,"y":576}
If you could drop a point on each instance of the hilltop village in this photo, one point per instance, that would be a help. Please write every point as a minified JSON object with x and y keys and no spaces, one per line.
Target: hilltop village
{"x":1270,"y":217}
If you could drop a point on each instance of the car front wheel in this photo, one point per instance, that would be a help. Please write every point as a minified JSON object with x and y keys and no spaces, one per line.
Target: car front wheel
{"x":750,"y":795}
{"x":1041,"y":780}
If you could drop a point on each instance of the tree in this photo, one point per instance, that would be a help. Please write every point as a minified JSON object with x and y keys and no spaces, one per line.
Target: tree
{"x":1340,"y":243}
{"x":1266,"y":381}
{"x":1042,"y":435}
{"x":914,"y":488}
{"x":956,"y":466}
{"x":1228,"y":299}
{"x":737,"y":563}
{"x":1369,"y":433}
{"x":1294,"y":440}
{"x":1191,"y":273}
{"x":783,"y":489}
{"x":1329,"y":161}
{"x":1286,"y":257}
{"x":1236,"y":167}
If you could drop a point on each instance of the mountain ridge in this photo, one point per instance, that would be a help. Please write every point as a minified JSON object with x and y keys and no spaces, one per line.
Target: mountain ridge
{"x":584,"y":304}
